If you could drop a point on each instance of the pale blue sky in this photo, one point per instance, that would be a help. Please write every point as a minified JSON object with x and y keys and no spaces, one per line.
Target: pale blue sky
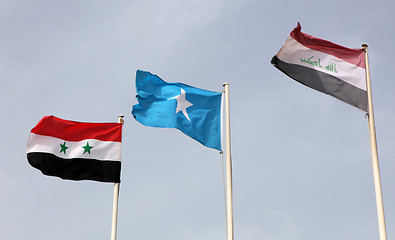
{"x":301,"y":159}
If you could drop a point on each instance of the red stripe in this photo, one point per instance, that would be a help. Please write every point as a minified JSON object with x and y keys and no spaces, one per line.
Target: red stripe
{"x":353,"y":56}
{"x":78,"y":131}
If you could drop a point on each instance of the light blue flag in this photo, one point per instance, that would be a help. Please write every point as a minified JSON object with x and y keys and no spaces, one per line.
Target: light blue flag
{"x":196,"y":112}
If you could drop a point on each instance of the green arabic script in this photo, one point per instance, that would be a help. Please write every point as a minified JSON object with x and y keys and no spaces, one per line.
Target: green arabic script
{"x":330,"y":67}
{"x":314,"y":63}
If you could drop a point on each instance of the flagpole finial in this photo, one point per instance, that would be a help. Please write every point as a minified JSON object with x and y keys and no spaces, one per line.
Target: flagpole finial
{"x":120,"y":118}
{"x":225,"y":83}
{"x":364,"y":45}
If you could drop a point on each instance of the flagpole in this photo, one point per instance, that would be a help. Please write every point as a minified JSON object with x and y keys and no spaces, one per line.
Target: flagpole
{"x":115,"y":201}
{"x":373,"y":148}
{"x":229,"y":188}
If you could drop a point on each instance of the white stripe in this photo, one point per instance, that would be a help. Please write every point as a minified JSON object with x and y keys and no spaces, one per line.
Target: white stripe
{"x":102,"y":150}
{"x":295,"y":53}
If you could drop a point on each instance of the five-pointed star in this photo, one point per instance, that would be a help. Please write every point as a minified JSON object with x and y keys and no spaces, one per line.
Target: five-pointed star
{"x":182,"y":103}
{"x":63,"y":148}
{"x":87,"y":148}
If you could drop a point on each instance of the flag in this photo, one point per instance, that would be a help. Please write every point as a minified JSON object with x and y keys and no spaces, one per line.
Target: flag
{"x":195,"y":112}
{"x":76,"y":150}
{"x":324,"y":66}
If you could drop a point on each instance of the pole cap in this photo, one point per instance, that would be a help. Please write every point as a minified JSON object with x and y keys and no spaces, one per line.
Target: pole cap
{"x":364,"y":45}
{"x":120,"y":118}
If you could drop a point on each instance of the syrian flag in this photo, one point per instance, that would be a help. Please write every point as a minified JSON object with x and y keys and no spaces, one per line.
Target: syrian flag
{"x":324,"y":66}
{"x":76,"y":150}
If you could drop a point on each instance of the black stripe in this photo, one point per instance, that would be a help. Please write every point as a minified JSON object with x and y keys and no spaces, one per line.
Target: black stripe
{"x":324,"y":83}
{"x":76,"y":168}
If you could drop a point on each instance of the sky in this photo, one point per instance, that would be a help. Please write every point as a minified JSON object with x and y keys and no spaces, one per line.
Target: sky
{"x":302,"y":166}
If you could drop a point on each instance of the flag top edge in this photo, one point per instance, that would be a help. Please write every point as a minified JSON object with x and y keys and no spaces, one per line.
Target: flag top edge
{"x":178,"y":84}
{"x":351,"y":55}
{"x":77,"y":131}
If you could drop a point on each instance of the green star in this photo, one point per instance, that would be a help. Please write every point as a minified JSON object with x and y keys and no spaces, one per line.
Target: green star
{"x":63,"y":148}
{"x":87,"y":148}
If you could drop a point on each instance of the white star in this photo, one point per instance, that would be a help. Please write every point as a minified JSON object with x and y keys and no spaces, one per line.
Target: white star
{"x":182,"y":103}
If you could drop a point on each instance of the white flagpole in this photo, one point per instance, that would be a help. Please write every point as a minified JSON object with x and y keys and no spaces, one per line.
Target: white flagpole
{"x":229,"y":189}
{"x":115,"y":201}
{"x":373,"y":148}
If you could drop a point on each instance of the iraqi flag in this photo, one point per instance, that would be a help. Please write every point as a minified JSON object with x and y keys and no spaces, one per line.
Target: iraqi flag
{"x":324,"y":66}
{"x":76,"y":150}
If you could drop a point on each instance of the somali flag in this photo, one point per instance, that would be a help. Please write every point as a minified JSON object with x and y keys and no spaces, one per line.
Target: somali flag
{"x":195,"y":112}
